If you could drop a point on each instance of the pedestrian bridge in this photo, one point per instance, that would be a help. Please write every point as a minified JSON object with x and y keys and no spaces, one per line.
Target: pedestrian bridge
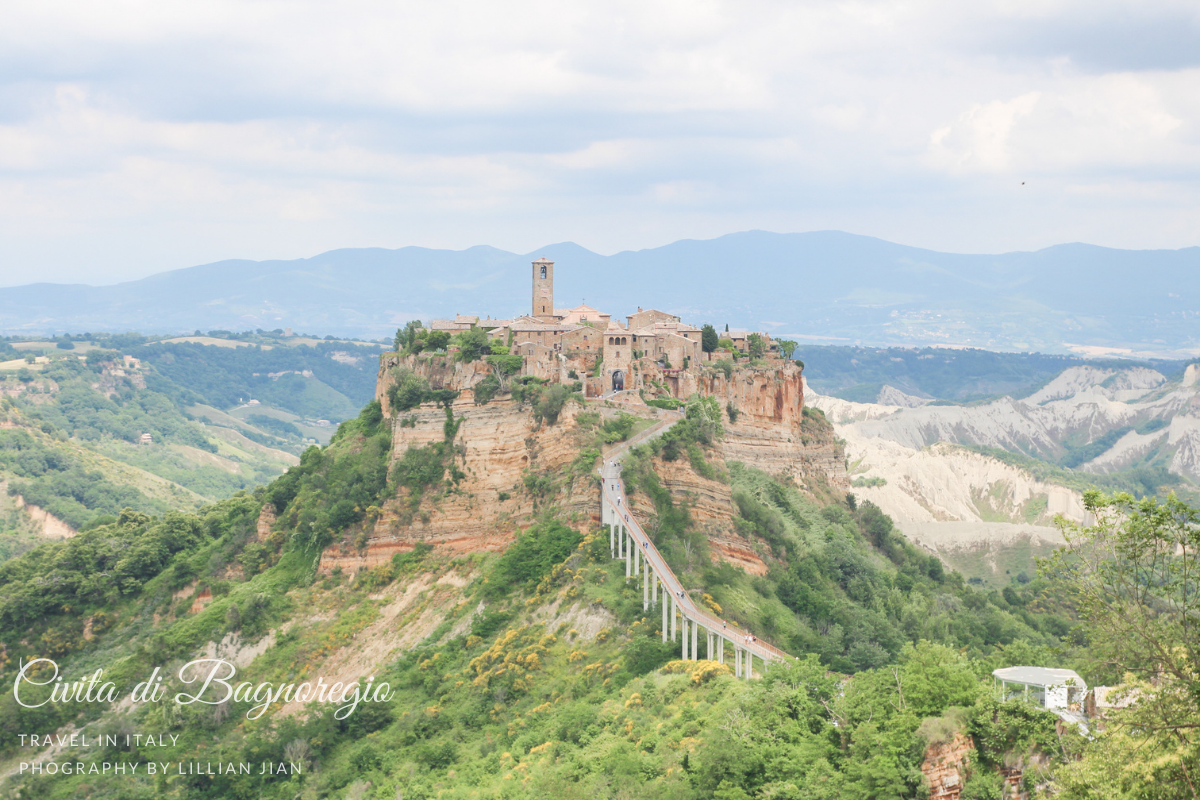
{"x":682,"y":618}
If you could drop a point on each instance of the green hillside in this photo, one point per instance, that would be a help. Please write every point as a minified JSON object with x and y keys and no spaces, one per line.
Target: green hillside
{"x":115,"y":422}
{"x":534,"y":672}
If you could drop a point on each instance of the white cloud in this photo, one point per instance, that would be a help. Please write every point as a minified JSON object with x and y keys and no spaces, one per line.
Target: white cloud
{"x":139,"y":136}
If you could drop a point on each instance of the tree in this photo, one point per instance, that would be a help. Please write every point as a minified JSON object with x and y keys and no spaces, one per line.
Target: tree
{"x":787,"y":347}
{"x":756,"y":346}
{"x":408,"y":390}
{"x":1133,"y":577}
{"x":708,"y":338}
{"x":406,"y":335}
{"x":473,"y":344}
{"x":935,"y":677}
{"x":437,"y":340}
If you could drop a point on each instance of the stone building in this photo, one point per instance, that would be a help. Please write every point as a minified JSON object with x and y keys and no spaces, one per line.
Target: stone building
{"x":558,"y":341}
{"x":543,"y":290}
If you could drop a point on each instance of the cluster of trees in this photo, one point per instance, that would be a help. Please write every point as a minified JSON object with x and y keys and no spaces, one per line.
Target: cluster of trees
{"x":756,"y":346}
{"x":93,"y":568}
{"x":473,"y":343}
{"x":857,"y":373}
{"x":83,"y":412}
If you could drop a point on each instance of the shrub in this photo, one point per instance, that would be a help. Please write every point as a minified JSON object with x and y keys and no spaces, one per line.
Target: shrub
{"x":550,"y":403}
{"x":486,"y":389}
{"x":861,"y":482}
{"x":408,"y":390}
{"x":532,"y":556}
{"x":618,"y":428}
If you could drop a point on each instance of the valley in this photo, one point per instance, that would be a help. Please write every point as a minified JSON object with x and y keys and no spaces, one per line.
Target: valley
{"x":980,"y":483}
{"x":94,"y":425}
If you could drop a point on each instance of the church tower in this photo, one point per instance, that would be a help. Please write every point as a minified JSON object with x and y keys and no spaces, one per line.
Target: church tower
{"x":543,"y":290}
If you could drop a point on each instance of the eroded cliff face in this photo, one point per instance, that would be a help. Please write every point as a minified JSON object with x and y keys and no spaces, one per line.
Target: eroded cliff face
{"x":945,"y":767}
{"x":772,"y":432}
{"x":712,"y":511}
{"x":512,"y":466}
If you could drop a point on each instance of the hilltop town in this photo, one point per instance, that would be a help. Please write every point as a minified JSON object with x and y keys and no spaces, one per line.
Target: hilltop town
{"x":652,"y":352}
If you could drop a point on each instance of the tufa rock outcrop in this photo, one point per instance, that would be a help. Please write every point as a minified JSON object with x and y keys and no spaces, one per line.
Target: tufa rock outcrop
{"x":510,"y":466}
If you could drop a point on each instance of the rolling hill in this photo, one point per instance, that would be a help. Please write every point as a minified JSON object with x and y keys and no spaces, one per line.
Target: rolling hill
{"x":828,"y":285}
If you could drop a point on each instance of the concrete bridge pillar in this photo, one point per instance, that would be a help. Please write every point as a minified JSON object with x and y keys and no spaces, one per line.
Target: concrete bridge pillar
{"x":654,"y":588}
{"x":737,"y":661}
{"x":637,"y":554}
{"x":674,"y":614}
{"x":708,"y":645}
{"x":625,"y":539}
{"x":695,"y":633}
{"x":721,"y":649}
{"x":684,"y":624}
{"x":748,"y":667}
{"x":612,"y":541}
{"x":645,"y":586}
{"x":664,"y":610}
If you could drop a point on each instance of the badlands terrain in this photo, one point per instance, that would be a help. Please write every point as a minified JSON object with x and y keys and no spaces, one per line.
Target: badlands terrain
{"x":981,"y":484}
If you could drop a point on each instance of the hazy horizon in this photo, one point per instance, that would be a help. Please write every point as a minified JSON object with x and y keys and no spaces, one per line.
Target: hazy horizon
{"x":145,"y":138}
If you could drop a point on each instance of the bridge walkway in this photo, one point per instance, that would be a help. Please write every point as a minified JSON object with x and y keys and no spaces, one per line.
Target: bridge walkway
{"x":644,"y":563}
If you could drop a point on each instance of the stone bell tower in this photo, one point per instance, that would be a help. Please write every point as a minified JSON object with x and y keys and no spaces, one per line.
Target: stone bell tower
{"x":543,"y":290}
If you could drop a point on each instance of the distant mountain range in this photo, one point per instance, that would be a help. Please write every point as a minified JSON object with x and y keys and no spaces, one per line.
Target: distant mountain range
{"x":823,"y":287}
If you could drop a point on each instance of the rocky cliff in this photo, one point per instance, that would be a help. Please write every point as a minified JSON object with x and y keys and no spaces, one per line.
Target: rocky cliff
{"x":768,"y":427}
{"x":712,"y":510}
{"x":512,"y":466}
{"x":945,"y":767}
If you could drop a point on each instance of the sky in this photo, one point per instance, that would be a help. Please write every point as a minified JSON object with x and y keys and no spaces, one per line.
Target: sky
{"x":137,"y":137}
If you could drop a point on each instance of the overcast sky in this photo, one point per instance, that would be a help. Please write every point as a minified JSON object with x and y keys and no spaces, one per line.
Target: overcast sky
{"x":142,"y":136}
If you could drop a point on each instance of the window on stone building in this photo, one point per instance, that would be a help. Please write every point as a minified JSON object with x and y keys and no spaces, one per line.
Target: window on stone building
{"x":543,"y":274}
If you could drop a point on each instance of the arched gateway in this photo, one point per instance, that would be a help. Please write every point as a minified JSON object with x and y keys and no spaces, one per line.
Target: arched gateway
{"x":618,"y":380}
